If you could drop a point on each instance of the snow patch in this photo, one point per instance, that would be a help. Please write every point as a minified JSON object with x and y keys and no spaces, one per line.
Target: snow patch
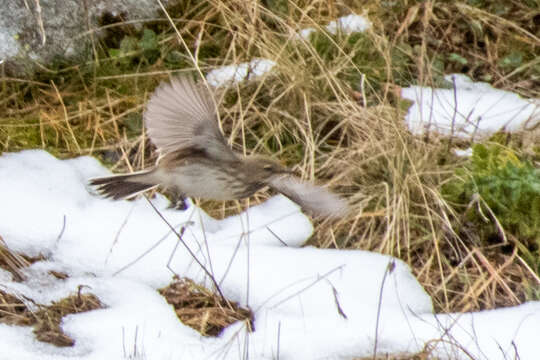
{"x":235,"y":73}
{"x":469,"y":110}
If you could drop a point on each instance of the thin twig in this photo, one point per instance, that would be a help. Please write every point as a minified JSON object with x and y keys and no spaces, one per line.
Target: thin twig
{"x":61,"y":230}
{"x":389,"y":269}
{"x":117,"y":237}
{"x":277,"y":237}
{"x":453,"y":122}
{"x":278,"y":339}
{"x":323,"y":277}
{"x":179,"y":236}
{"x":39,"y":20}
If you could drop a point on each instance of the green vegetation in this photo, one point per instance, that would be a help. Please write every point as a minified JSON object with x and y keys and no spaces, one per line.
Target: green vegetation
{"x":500,"y":194}
{"x":147,"y":46}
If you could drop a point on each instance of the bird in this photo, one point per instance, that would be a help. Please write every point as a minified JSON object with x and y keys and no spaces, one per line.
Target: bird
{"x":194,"y":160}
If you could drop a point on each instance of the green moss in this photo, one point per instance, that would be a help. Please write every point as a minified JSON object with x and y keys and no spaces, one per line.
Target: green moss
{"x":23,"y":134}
{"x":30,"y":133}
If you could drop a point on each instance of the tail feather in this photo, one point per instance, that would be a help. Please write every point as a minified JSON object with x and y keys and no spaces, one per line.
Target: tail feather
{"x":122,"y":186}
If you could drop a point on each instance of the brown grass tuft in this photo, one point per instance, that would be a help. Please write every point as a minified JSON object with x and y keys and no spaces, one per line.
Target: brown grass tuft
{"x":14,"y":311}
{"x":47,"y":319}
{"x":14,"y":262}
{"x":203,"y":310}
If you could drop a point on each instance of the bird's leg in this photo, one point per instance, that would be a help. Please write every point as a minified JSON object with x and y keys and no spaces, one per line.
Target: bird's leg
{"x":177,"y":198}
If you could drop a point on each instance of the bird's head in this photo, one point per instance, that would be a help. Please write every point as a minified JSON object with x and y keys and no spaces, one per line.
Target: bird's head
{"x":264,"y":167}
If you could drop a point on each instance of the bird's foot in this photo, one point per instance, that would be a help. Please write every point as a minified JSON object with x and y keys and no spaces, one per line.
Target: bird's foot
{"x":177,"y":198}
{"x":178,"y":204}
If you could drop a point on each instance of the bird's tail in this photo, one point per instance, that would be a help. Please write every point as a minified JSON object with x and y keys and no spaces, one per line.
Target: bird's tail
{"x":124,"y":186}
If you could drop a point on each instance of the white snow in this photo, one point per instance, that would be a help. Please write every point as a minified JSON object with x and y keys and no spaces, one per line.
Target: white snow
{"x":513,"y":331}
{"x":469,"y":110}
{"x":308,"y":303}
{"x":348,"y":24}
{"x":463,"y":152}
{"x":226,"y":75}
{"x":305,"y":33}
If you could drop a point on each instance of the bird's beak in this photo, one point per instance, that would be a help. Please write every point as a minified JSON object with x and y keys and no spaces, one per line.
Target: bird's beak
{"x":291,"y":172}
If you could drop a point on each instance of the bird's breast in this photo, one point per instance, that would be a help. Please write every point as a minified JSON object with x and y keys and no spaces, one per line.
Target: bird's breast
{"x":210,"y":181}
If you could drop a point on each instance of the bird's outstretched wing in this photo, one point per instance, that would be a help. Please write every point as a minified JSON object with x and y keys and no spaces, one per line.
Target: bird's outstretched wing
{"x":313,"y":199}
{"x":182,"y":114}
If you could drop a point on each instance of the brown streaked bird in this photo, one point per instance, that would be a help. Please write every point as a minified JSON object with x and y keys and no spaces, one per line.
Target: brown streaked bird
{"x":195,"y":160}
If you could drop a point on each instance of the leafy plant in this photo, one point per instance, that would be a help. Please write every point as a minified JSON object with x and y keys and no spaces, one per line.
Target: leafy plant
{"x":506,"y":187}
{"x":147,"y":44}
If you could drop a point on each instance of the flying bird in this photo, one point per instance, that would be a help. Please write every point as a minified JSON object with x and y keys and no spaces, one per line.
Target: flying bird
{"x":195,"y":160}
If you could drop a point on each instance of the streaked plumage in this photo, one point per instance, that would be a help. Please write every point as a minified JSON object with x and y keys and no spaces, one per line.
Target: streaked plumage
{"x":195,"y":160}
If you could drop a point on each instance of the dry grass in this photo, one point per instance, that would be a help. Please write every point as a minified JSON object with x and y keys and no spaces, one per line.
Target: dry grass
{"x":46,"y":320}
{"x":316,"y":113}
{"x":14,"y":311}
{"x":13,"y":262}
{"x":203,"y":310}
{"x":49,"y":318}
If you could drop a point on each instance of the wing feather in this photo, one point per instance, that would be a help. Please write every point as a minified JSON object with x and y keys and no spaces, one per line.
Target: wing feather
{"x":313,"y":199}
{"x":181,"y":114}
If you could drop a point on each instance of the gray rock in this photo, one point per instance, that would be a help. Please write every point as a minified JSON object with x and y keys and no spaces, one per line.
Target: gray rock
{"x":34,"y":32}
